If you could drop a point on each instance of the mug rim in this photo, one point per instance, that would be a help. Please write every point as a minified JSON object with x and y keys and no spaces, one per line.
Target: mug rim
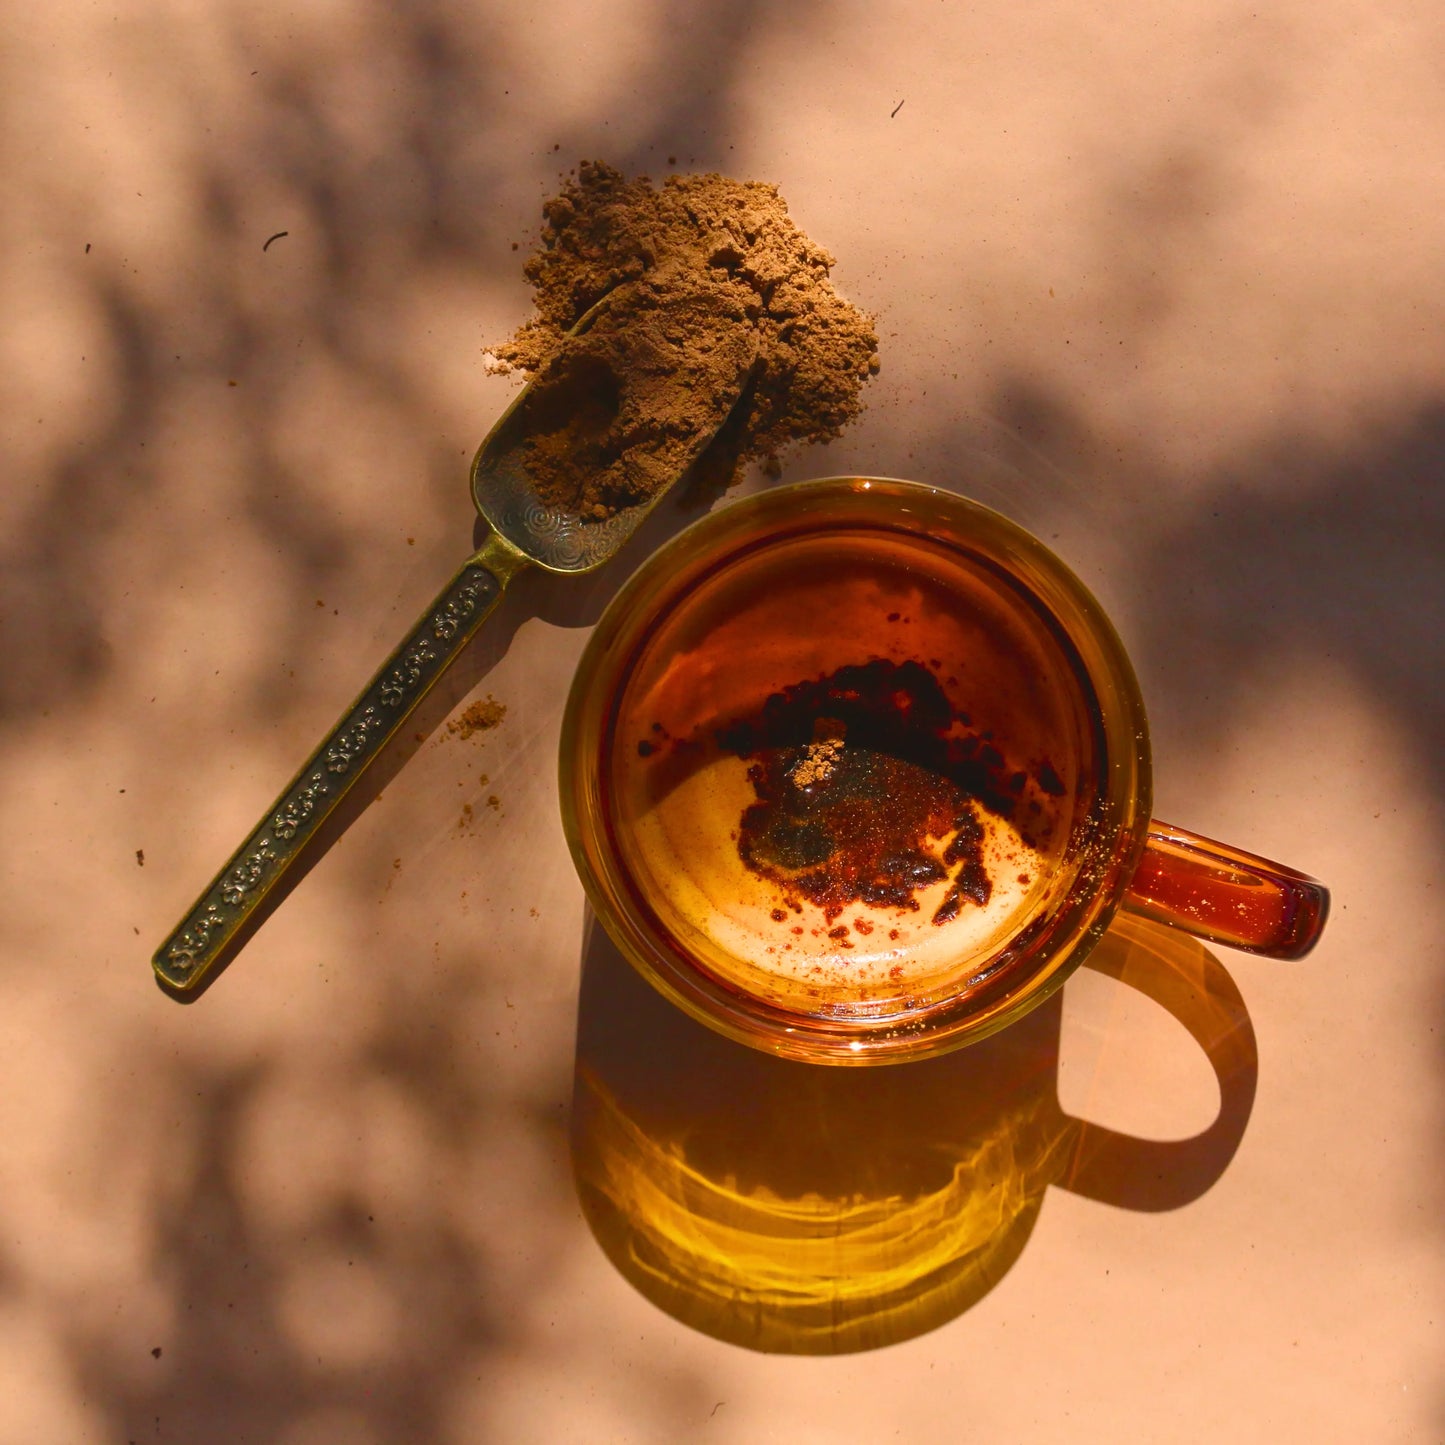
{"x":1122,"y":805}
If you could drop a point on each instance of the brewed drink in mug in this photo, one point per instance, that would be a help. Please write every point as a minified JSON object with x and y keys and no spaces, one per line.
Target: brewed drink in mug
{"x":857,"y":771}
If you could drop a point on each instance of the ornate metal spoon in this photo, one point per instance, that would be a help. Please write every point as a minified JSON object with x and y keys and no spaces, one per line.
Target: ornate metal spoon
{"x":523,"y":533}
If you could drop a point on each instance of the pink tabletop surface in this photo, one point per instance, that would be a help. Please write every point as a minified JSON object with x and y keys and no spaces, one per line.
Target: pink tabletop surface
{"x":1162,"y":283}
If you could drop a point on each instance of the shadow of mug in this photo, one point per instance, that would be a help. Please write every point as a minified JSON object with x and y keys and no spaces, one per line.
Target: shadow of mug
{"x":806,"y":1209}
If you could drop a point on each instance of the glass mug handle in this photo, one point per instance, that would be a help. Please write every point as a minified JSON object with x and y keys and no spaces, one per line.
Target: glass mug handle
{"x":1225,"y":895}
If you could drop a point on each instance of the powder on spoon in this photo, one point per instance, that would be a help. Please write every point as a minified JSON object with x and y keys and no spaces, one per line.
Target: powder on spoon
{"x":712,"y":283}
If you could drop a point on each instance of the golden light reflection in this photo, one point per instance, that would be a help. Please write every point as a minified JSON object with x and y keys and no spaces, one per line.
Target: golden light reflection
{"x":814,"y":1275}
{"x":812,"y":1210}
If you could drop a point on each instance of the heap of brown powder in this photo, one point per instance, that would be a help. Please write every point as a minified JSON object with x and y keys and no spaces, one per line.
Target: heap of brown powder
{"x":719,"y":309}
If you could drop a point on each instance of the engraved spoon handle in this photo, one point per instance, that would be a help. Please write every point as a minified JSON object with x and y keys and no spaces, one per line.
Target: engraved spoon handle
{"x":216,"y":926}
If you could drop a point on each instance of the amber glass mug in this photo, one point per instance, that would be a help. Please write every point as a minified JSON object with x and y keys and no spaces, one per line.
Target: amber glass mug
{"x":857,"y":771}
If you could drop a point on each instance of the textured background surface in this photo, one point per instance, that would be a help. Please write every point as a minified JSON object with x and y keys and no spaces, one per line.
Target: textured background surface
{"x":1164,"y":284}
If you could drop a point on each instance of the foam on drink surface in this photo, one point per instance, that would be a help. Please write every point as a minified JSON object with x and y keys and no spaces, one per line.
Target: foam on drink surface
{"x":690,"y":839}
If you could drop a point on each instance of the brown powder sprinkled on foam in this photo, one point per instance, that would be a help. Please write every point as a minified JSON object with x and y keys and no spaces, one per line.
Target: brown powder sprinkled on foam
{"x":714,"y":286}
{"x":821,"y":756}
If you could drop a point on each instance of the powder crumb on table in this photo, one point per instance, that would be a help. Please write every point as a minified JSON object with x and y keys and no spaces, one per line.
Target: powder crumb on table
{"x":479,"y":717}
